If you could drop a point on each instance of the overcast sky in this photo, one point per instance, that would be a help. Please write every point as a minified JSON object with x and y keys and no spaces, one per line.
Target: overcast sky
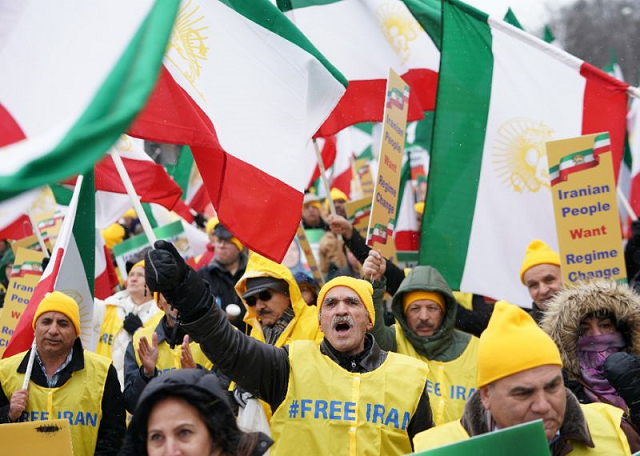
{"x":532,"y":14}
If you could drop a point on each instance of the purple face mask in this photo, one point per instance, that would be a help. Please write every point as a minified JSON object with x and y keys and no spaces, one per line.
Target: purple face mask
{"x":592,"y":352}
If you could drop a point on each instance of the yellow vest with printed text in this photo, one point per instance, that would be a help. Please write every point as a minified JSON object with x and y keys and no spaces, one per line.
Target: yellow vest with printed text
{"x":449,"y":384}
{"x":79,"y":400}
{"x":112,"y":324}
{"x":169,"y":359}
{"x":603,"y":421}
{"x":330,"y":411}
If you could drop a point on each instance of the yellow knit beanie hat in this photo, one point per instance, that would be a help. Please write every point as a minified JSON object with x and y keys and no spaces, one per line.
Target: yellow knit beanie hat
{"x":113,"y":235}
{"x":418,"y":295}
{"x":361,"y":287}
{"x":538,"y":253}
{"x":59,"y":302}
{"x":211,"y":224}
{"x":139,"y":264}
{"x":513,"y":343}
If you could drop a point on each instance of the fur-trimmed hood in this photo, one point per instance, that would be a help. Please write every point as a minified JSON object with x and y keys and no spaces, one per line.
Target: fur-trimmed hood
{"x":565,"y":311}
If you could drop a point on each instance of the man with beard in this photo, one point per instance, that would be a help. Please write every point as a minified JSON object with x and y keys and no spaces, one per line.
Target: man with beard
{"x":322,"y":400}
{"x":425,"y":314}
{"x":154,"y":351}
{"x":228,"y":264}
{"x":540,"y":273}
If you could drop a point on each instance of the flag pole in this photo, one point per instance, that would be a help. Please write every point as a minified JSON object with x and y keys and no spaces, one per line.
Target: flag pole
{"x":627,"y":206}
{"x":27,"y":373}
{"x":135,"y":199}
{"x":36,"y":231}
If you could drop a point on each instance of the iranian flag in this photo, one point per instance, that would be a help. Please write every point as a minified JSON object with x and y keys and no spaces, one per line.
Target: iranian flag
{"x":246,"y":90}
{"x":74,"y":75}
{"x":186,"y":174}
{"x":633,"y":129}
{"x":363,"y":39}
{"x":406,"y":235}
{"x":503,"y":93}
{"x":70,"y":269}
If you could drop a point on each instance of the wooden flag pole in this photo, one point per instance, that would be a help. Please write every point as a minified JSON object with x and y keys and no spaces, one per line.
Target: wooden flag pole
{"x":135,"y":199}
{"x":323,"y":176}
{"x":27,"y":373}
{"x":36,"y":231}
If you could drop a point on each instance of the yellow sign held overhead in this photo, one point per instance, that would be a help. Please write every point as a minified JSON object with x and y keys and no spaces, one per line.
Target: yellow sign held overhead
{"x":585,"y":206}
{"x":385,"y":196}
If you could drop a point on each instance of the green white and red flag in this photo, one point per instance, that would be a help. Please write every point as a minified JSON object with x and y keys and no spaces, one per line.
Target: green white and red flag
{"x":14,"y":217}
{"x":237,"y":63}
{"x":70,"y":269}
{"x":633,"y":131}
{"x":502,"y":95}
{"x":363,"y":39}
{"x":75,"y":74}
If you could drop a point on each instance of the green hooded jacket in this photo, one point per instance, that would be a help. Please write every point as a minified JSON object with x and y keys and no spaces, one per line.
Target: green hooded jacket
{"x":446,"y":344}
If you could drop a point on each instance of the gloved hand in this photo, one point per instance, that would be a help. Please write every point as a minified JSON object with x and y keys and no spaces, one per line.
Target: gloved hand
{"x":131,"y":323}
{"x":623,"y":372}
{"x":166,"y":271}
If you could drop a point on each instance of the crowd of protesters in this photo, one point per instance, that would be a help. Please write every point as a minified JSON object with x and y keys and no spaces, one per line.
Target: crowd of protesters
{"x":240,"y":355}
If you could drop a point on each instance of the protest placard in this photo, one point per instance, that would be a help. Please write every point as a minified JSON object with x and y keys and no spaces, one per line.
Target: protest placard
{"x":25,"y":275}
{"x":586,"y":212}
{"x":385,"y":195}
{"x":136,"y":245}
{"x":526,"y":439}
{"x":305,"y":247}
{"x":29,"y":242}
{"x":362,"y":177}
{"x":358,"y":213}
{"x":51,"y":437}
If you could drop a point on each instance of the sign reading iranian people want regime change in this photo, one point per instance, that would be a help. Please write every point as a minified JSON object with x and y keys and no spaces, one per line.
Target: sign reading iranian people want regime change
{"x":385,"y":195}
{"x":584,"y":201}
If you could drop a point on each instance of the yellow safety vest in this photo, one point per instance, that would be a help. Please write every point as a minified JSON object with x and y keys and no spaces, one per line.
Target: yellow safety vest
{"x":330,"y":411}
{"x":450,"y":383}
{"x":79,"y":400}
{"x":112,"y":324}
{"x":603,"y":421}
{"x":169,"y":359}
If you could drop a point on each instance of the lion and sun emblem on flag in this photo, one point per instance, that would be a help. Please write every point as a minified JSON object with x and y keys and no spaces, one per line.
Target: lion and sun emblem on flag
{"x":187,"y":48}
{"x":519,"y":157}
{"x":399,"y":26}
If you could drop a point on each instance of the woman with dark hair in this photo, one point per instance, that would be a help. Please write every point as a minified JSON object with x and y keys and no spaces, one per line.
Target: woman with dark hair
{"x":186,"y":412}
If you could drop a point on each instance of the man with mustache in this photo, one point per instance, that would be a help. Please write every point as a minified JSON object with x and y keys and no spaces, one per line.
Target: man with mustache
{"x":425,"y":313}
{"x":520,"y":380}
{"x":346,"y":396}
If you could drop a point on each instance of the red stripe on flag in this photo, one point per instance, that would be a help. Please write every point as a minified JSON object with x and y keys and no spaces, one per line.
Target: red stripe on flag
{"x":171,"y":116}
{"x":364,"y":101}
{"x":200,"y":200}
{"x":343,"y":181}
{"x":407,"y":241}
{"x":10,"y":131}
{"x":18,"y":229}
{"x":605,"y":109}
{"x":253,"y":205}
{"x":23,"y":334}
{"x":329,"y":152}
{"x":107,"y":280}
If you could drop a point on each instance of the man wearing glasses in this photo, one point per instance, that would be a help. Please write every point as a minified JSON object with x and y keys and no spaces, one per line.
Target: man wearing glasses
{"x":425,"y":313}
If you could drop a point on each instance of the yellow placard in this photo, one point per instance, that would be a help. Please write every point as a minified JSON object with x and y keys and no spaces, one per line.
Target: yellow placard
{"x":36,"y":438}
{"x":586,"y":210}
{"x":362,"y":177}
{"x":308,"y":253}
{"x":358,"y":214}
{"x":385,"y":196}
{"x":29,"y":242}
{"x":25,"y":275}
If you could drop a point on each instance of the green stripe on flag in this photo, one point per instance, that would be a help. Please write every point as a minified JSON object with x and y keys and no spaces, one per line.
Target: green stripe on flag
{"x":84,"y":227}
{"x":181,"y":171}
{"x":428,"y":13}
{"x":466,"y":69}
{"x":109,"y":113}
{"x":288,"y":5}
{"x":266,"y":15}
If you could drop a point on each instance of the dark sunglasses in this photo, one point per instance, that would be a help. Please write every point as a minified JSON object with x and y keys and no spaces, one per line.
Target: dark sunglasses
{"x":263,"y":296}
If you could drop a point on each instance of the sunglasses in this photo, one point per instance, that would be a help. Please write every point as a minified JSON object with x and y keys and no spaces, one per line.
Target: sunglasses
{"x":263,"y":296}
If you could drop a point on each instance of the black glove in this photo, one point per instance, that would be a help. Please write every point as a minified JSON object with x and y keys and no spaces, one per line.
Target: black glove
{"x":131,"y":323}
{"x":166,"y":271}
{"x":623,"y":372}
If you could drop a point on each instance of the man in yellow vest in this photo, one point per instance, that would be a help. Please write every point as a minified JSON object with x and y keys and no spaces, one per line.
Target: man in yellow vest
{"x":425,"y":312}
{"x":520,"y":380}
{"x":344,"y":397}
{"x":118,"y":317}
{"x":67,"y":382}
{"x":154,"y":351}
